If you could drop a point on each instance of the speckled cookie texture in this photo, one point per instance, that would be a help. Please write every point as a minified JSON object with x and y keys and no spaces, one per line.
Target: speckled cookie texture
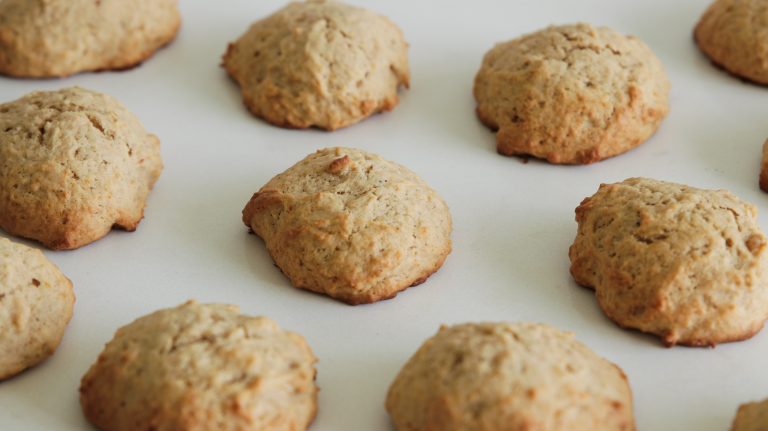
{"x":55,"y":38}
{"x":764,"y":168}
{"x":571,"y":94}
{"x":73,"y":164}
{"x":509,"y":377}
{"x":751,"y":417}
{"x":201,"y":367}
{"x":319,"y":63}
{"x":36,"y":302}
{"x":686,"y":264}
{"x":734,"y":35}
{"x":351,"y":225}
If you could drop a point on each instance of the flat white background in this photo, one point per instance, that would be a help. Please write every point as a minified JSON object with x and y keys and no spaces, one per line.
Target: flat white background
{"x":513,"y":221}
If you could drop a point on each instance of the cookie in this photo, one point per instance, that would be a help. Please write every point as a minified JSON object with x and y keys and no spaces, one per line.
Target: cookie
{"x":319,"y":63}
{"x":732,"y":33}
{"x":571,"y":94}
{"x":73,"y":164}
{"x":351,"y":225}
{"x":509,"y":377}
{"x":201,"y":367}
{"x":764,"y":168}
{"x":36,"y":302}
{"x":56,"y":38}
{"x":751,"y":417}
{"x":686,"y":264}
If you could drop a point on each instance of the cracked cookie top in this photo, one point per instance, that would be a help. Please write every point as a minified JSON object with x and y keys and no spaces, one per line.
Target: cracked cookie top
{"x":351,"y":225}
{"x":73,"y":164}
{"x":319,"y":63}
{"x":201,"y":367}
{"x":686,"y":264}
{"x":509,"y":377}
{"x":36,"y":302}
{"x":571,"y":94}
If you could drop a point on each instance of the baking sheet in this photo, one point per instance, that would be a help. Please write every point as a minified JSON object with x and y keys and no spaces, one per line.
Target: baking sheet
{"x":513,"y":221}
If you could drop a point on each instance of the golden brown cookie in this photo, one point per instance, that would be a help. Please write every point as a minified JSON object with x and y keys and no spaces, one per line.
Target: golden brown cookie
{"x":571,"y":94}
{"x":509,"y":377}
{"x":751,"y":417}
{"x":734,"y":35}
{"x":36,"y":302}
{"x":319,"y":63}
{"x":201,"y":367}
{"x":686,"y":264}
{"x":55,"y":38}
{"x":73,"y":164}
{"x":351,"y":225}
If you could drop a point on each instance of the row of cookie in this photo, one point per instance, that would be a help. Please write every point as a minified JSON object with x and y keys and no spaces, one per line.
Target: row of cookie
{"x":209,"y":367}
{"x":247,"y":373}
{"x":569,"y":94}
{"x":688,"y":265}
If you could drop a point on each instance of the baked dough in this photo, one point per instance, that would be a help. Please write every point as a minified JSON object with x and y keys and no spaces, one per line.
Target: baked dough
{"x":319,"y":64}
{"x":751,"y":417}
{"x":571,"y":94}
{"x":73,"y":164}
{"x":55,"y":38}
{"x":36,"y":302}
{"x":201,"y":367}
{"x":351,"y":225}
{"x":734,"y":35}
{"x":509,"y":377}
{"x":686,"y":264}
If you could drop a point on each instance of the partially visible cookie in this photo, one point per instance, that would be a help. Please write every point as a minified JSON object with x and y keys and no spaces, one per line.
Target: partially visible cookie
{"x":509,"y":377}
{"x":319,"y":63}
{"x":351,"y":225}
{"x":201,"y":367}
{"x":751,"y":417}
{"x":55,"y":38}
{"x":571,"y":94}
{"x":36,"y":302}
{"x":73,"y":164}
{"x":686,"y":264}
{"x":764,"y":168}
{"x":733,"y":34}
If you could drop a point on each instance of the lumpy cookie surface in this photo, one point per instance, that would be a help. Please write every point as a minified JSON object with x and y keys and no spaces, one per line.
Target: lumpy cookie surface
{"x":571,"y":94}
{"x":73,"y":164}
{"x":734,"y":35}
{"x":319,"y":63}
{"x":36,"y":302}
{"x":201,"y":367}
{"x":351,"y":225}
{"x":686,"y":264}
{"x":55,"y":38}
{"x":509,"y":377}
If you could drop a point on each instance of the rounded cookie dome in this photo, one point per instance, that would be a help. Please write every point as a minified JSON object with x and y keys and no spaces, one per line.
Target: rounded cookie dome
{"x":319,"y":63}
